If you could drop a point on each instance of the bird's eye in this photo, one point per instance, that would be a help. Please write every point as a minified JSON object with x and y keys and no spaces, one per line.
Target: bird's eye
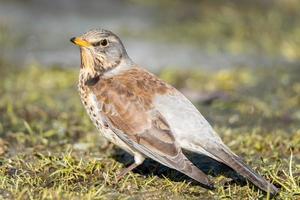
{"x":102,"y":42}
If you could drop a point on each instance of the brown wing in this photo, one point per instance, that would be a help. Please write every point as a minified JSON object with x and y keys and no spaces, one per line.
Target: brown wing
{"x":128,"y":110}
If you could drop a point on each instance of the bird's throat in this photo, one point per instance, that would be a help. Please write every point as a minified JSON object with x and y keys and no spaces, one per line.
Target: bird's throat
{"x":87,"y":60}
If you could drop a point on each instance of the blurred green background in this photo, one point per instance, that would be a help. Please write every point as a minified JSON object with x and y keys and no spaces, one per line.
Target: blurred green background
{"x":197,"y":34}
{"x":237,"y":60}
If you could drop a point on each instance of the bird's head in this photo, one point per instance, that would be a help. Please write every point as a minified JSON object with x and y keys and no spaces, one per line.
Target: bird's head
{"x":101,"y":50}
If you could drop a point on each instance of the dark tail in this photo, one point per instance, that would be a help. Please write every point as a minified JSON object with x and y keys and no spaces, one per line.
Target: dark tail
{"x":236,"y":163}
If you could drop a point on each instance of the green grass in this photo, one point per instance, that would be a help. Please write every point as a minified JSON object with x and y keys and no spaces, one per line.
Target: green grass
{"x":50,"y":149}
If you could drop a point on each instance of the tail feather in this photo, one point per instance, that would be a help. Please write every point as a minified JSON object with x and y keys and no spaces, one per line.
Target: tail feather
{"x":236,"y":163}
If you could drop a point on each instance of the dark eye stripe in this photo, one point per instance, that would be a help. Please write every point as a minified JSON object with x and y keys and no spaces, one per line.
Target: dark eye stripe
{"x":96,"y":44}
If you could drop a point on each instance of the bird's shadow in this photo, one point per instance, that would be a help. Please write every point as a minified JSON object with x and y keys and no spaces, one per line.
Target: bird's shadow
{"x":206,"y":164}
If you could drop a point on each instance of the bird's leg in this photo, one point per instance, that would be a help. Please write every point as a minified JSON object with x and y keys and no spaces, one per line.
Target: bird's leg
{"x":138,"y":159}
{"x":125,"y":171}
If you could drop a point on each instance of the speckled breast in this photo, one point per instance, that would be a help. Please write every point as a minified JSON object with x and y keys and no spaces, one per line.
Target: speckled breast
{"x":93,"y":109}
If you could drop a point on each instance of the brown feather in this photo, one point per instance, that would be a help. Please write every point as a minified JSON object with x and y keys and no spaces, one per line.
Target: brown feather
{"x":130,"y":95}
{"x":127,"y":105}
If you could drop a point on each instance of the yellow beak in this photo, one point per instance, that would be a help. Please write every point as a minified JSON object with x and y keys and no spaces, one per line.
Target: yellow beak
{"x":80,"y":42}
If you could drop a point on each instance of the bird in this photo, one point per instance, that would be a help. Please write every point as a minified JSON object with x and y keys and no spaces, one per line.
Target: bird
{"x":145,"y":116}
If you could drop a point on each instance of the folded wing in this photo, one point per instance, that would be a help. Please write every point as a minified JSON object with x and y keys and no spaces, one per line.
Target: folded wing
{"x":194,"y":133}
{"x":131,"y":115}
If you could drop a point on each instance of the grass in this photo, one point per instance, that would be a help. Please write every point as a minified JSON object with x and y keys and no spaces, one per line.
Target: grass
{"x":50,"y":149}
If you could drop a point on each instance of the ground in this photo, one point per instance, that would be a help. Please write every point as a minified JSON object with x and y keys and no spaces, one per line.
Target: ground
{"x":50,"y":149}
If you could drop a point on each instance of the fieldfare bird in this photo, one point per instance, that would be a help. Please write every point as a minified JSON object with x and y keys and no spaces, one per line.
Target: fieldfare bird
{"x":145,"y":116}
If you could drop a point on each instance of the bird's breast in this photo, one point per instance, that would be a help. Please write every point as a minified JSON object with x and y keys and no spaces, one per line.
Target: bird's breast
{"x":93,"y":108}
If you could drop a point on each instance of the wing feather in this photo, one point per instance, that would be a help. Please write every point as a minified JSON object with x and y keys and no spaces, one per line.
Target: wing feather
{"x":164,"y":150}
{"x":195,"y":134}
{"x":132,"y":117}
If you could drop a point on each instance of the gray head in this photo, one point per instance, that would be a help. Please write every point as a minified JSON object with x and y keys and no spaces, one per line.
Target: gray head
{"x":101,"y":50}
